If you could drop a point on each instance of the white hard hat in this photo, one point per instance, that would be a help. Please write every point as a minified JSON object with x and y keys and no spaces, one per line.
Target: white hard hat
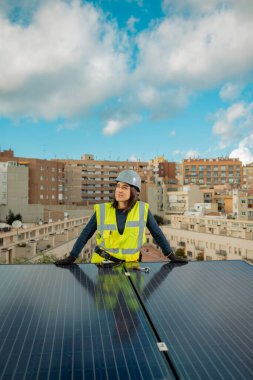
{"x":130,"y":177}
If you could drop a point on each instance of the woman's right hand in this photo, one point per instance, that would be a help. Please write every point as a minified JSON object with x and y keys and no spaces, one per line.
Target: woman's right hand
{"x":68,"y":261}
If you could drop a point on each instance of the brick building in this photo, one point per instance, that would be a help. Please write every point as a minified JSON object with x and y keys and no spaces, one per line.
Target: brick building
{"x":46,"y":178}
{"x":213,"y":171}
{"x":89,"y":181}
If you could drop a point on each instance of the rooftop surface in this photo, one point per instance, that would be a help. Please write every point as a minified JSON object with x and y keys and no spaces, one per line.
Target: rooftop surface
{"x":86,"y":322}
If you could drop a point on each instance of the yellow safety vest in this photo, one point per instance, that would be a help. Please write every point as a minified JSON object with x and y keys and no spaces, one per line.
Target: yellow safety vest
{"x":126,"y":246}
{"x":112,"y":289}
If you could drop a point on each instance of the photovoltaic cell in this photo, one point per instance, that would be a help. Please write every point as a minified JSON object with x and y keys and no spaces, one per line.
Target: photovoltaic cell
{"x":203,"y":311}
{"x":79,"y":322}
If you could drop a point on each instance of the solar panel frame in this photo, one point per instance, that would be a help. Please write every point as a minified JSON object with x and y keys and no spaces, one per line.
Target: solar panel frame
{"x":203,"y":312}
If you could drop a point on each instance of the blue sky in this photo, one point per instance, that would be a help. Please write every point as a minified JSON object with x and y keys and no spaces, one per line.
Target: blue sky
{"x":127,"y":79}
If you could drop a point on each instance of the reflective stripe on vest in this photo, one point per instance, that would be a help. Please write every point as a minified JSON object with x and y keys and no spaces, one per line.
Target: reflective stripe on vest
{"x":107,"y":224}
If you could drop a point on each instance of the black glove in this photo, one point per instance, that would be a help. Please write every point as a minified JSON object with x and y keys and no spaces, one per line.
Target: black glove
{"x":68,"y":261}
{"x":176,"y":259}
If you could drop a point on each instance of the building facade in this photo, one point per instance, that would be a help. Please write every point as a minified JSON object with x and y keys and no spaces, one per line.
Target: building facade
{"x":211,"y":238}
{"x":45,"y":181}
{"x":214,"y":171}
{"x":249,"y":176}
{"x":180,"y":201}
{"x":14,"y":193}
{"x":89,"y":181}
{"x":242,"y":204}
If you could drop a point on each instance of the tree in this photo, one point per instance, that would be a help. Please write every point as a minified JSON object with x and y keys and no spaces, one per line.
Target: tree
{"x":200,"y":256}
{"x":11,"y":217}
{"x":180,"y":252}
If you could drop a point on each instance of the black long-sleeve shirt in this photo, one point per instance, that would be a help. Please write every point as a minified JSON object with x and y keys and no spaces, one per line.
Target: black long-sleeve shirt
{"x":121,"y":216}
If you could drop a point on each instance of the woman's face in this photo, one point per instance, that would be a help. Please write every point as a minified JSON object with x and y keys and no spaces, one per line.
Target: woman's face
{"x":122,"y":192}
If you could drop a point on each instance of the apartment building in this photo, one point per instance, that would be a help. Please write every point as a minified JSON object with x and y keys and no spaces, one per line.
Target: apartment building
{"x":213,"y":171}
{"x":13,"y":183}
{"x":242,"y":204}
{"x":14,"y":192}
{"x":154,"y":164}
{"x":220,"y":196}
{"x":89,"y":181}
{"x":168,"y":170}
{"x":211,"y":238}
{"x":180,"y":201}
{"x":45,"y":181}
{"x":249,"y":176}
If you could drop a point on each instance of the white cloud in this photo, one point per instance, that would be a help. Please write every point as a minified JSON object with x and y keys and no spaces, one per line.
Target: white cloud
{"x":230,"y":91}
{"x":118,"y":122}
{"x":245,"y":150}
{"x":160,"y":102}
{"x":173,"y":133}
{"x":112,"y":127}
{"x":67,"y":126}
{"x":177,"y":152}
{"x":68,"y":59}
{"x":133,"y":158}
{"x":234,"y":122}
{"x":199,"y":52}
{"x":200,"y":7}
{"x":131,"y":23}
{"x":192,"y":154}
{"x":195,"y":6}
{"x":244,"y":154}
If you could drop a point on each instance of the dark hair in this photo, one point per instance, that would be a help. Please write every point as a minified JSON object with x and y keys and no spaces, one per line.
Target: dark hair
{"x":134,"y":194}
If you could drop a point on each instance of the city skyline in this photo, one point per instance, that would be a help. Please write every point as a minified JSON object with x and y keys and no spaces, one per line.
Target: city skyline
{"x":126,"y":80}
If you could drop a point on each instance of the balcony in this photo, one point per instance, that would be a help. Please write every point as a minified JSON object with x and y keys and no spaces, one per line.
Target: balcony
{"x":221,"y":252}
{"x":199,"y":248}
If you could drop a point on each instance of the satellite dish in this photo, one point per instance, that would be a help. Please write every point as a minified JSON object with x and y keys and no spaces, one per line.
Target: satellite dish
{"x":16,"y":224}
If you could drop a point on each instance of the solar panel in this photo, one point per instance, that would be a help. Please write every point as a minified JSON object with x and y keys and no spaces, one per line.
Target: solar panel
{"x":203,"y":311}
{"x":79,"y":322}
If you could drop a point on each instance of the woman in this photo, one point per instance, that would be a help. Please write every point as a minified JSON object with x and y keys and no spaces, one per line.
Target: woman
{"x":120,"y":227}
